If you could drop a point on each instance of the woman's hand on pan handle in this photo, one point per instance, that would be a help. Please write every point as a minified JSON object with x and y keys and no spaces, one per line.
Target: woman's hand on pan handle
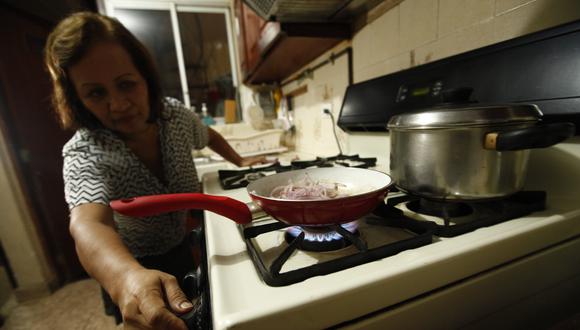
{"x":150,"y":299}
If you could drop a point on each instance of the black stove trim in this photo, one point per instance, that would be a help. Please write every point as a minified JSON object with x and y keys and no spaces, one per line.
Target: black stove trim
{"x":338,"y":159}
{"x":273,"y":277}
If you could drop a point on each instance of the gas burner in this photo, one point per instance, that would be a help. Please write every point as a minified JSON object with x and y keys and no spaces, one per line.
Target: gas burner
{"x":440,"y":209}
{"x":322,"y":239}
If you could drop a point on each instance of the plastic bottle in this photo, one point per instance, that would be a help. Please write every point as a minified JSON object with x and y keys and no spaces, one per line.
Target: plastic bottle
{"x":205,"y":117}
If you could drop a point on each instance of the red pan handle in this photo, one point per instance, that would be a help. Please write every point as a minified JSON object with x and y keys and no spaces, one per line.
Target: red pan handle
{"x":156,"y":204}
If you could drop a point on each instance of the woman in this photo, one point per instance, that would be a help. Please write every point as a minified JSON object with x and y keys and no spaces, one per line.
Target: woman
{"x":129,"y":141}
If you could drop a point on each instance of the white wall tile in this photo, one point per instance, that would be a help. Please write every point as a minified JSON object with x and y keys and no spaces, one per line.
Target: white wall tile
{"x":393,"y":64}
{"x":371,"y":145}
{"x":535,"y":16}
{"x":361,"y":45}
{"x":418,"y":23}
{"x":475,"y":36}
{"x":503,"y":6}
{"x":436,"y":50}
{"x":385,"y":36}
{"x":315,"y":134}
{"x":459,"y":14}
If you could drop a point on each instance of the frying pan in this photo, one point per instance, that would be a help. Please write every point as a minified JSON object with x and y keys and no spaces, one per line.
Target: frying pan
{"x":365,"y":189}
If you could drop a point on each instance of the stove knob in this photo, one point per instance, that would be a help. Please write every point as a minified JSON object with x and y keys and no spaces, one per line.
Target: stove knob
{"x":193,"y":283}
{"x":198,"y":317}
{"x":195,"y":236}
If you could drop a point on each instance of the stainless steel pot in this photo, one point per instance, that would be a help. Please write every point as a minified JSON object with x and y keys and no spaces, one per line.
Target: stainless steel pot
{"x":468,"y":152}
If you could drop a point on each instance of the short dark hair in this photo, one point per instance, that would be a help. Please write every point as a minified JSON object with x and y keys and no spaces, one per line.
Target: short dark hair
{"x":69,"y":42}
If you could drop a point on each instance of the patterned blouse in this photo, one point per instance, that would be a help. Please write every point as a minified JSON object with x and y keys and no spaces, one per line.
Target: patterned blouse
{"x":99,"y":167}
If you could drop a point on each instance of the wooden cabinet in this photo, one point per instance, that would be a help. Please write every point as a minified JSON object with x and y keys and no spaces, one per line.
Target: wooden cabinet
{"x":272,"y":51}
{"x":250,"y":26}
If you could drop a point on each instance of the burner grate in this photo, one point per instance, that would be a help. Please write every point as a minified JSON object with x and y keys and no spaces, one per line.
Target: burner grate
{"x":274,"y":276}
{"x":233,"y":179}
{"x":339,"y":160}
{"x":472,"y":215}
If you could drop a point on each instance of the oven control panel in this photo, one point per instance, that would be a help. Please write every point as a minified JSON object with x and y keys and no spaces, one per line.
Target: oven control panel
{"x":409,"y":93}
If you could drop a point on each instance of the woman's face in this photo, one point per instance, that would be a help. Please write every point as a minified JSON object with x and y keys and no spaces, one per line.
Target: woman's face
{"x":111,"y":88}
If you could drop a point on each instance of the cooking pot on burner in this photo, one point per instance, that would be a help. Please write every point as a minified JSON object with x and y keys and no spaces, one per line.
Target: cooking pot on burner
{"x":468,"y":151}
{"x":365,"y":189}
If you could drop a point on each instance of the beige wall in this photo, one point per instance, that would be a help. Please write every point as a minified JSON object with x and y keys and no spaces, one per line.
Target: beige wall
{"x":413,"y":33}
{"x":19,"y":237}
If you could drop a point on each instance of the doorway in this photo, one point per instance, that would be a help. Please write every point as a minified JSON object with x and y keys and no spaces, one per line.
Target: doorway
{"x":192,"y":46}
{"x":34,"y":138}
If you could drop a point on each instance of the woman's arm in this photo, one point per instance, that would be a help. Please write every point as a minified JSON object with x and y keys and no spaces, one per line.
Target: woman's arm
{"x":140,"y":293}
{"x":218,"y":144}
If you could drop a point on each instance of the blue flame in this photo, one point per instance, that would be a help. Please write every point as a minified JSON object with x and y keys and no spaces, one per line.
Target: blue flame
{"x":329,"y":236}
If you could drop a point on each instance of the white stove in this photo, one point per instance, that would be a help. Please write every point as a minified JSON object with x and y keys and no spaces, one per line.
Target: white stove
{"x":520,"y":272}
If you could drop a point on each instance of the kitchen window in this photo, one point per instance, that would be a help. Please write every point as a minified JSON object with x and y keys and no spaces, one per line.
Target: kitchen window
{"x":192,"y":44}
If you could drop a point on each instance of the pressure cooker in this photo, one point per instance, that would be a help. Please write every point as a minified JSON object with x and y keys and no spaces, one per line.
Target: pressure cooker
{"x":468,"y":151}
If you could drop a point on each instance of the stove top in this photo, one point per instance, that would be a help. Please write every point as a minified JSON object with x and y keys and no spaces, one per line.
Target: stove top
{"x":403,"y":222}
{"x":241,"y":297}
{"x":232,"y":179}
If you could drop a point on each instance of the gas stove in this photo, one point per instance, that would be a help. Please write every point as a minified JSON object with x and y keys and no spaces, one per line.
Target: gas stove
{"x":417,"y":261}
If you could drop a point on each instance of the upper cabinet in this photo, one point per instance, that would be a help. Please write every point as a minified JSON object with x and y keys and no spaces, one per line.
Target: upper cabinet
{"x":278,"y":40}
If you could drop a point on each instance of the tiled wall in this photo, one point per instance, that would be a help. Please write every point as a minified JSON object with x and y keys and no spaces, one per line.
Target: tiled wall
{"x":413,"y":33}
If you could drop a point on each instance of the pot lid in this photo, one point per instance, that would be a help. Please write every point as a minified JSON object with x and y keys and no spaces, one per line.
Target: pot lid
{"x":466,"y":115}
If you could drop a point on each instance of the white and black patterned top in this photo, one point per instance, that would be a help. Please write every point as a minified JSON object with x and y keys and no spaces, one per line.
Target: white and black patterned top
{"x":99,"y":167}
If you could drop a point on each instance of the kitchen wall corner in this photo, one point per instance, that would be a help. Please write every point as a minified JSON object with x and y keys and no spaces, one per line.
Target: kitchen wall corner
{"x":412,"y":33}
{"x":21,"y":242}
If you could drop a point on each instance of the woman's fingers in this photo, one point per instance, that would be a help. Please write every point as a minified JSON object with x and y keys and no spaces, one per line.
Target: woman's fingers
{"x":248,"y":161}
{"x":152,"y":306}
{"x":175,"y":297}
{"x":150,"y":300}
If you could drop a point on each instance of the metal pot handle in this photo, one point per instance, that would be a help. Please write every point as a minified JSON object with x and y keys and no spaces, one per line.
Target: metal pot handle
{"x":539,"y":136}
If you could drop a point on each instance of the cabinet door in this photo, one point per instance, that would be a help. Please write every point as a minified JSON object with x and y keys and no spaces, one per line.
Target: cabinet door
{"x":239,"y":28}
{"x":251,"y":27}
